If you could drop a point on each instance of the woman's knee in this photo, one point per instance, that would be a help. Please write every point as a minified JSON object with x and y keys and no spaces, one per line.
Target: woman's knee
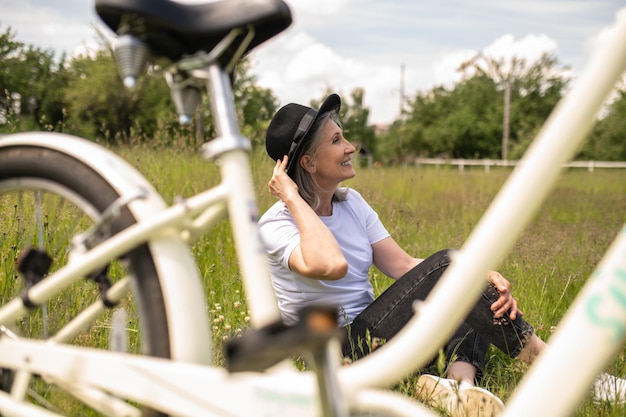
{"x":444,"y":255}
{"x":438,"y":260}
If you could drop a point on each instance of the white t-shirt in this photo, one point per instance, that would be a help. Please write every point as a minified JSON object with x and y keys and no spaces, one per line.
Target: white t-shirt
{"x":356,"y":227}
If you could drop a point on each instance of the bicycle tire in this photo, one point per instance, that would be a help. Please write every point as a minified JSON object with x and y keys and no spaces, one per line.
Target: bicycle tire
{"x":69,"y":188}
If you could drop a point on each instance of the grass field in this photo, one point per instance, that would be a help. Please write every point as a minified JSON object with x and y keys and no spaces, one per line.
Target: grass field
{"x":428,"y":209}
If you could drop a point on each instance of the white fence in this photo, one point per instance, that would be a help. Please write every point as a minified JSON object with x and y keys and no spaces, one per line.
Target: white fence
{"x":488,"y":163}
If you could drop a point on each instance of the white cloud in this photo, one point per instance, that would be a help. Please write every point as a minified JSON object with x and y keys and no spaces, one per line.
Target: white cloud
{"x":601,"y":40}
{"x":317,"y":8}
{"x":343,"y":44}
{"x":313,"y":64}
{"x":596,"y":41}
{"x":531,"y":47}
{"x":445,"y":68}
{"x":46,"y":27}
{"x":311,"y":68}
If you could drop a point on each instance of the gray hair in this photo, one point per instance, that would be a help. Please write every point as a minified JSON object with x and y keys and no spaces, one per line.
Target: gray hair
{"x":307,"y":186}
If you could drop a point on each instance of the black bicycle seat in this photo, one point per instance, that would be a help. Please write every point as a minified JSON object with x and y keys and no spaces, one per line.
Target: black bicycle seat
{"x":173,"y":30}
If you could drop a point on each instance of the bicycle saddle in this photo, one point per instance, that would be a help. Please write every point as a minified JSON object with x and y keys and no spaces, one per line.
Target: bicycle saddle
{"x":173,"y":30}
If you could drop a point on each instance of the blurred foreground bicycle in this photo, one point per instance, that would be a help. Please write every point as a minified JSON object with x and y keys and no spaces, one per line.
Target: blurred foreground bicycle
{"x":90,"y":248}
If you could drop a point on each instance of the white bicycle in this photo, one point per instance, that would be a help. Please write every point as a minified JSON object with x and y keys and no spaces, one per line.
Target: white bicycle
{"x":86,"y":233}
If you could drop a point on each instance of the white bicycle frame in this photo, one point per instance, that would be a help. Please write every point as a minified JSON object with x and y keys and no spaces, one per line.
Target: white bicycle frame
{"x":512,"y":209}
{"x":593,"y":327}
{"x":187,"y":385}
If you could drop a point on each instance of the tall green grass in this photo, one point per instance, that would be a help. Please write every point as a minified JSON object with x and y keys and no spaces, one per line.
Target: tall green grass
{"x":425,"y":210}
{"x":428,"y":209}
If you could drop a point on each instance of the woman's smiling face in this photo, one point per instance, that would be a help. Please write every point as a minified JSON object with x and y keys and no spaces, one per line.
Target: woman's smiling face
{"x":332,"y":160}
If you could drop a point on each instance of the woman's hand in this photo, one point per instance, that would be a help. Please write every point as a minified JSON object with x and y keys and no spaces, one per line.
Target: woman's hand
{"x":505,"y":302}
{"x":281,"y":185}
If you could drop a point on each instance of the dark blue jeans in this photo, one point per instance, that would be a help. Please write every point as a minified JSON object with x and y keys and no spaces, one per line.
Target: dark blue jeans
{"x":385,"y":317}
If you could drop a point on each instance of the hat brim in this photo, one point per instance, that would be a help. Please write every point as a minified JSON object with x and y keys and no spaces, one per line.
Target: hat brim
{"x":332,"y":102}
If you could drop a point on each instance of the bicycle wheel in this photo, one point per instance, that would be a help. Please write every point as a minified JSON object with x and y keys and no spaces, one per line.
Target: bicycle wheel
{"x":55,"y":203}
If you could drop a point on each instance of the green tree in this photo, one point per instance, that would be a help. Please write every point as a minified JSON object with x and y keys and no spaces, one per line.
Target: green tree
{"x":101,"y":108}
{"x":537,"y":92}
{"x":31,"y":84}
{"x":459,"y":123}
{"x":256,"y":105}
{"x":98,"y":105}
{"x":607,"y":141}
{"x":9,"y":84}
{"x":355,"y":122}
{"x":393,"y":145}
{"x":468,"y":120}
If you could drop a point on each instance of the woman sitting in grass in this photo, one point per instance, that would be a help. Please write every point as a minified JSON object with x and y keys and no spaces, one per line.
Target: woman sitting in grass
{"x":323,"y":239}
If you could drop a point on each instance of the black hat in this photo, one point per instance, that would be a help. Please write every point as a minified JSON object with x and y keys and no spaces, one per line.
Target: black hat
{"x":289,"y":128}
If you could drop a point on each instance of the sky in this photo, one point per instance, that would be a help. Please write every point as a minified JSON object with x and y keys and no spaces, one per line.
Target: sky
{"x":390,"y":48}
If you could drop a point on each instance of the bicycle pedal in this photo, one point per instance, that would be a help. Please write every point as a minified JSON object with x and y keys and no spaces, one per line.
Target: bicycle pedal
{"x":33,"y":264}
{"x":260,"y":349}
